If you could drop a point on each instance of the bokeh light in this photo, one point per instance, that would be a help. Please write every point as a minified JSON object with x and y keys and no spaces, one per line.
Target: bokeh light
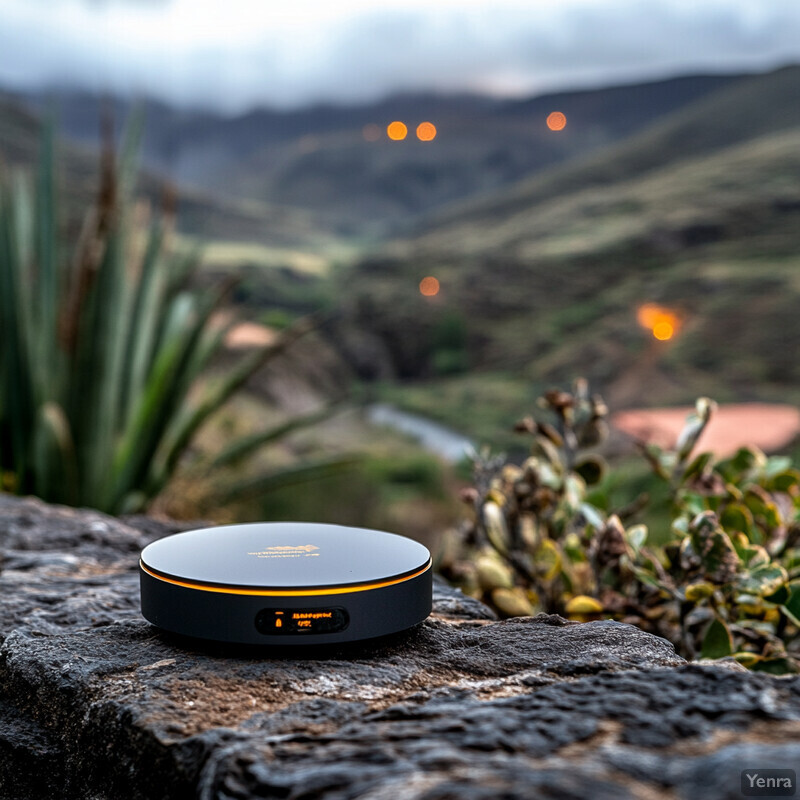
{"x":556,"y":121}
{"x":661,"y":322}
{"x":429,"y":287}
{"x":663,"y":331}
{"x":396,"y":131}
{"x":426,"y":131}
{"x":371,"y":132}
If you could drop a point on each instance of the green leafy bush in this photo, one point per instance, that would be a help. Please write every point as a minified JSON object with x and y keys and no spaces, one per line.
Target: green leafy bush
{"x":724,"y":579}
{"x":102,"y":346}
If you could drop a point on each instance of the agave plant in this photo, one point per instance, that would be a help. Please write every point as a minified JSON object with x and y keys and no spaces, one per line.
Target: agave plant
{"x":100,"y":346}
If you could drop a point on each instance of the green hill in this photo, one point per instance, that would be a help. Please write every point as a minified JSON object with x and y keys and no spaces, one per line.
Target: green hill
{"x":481,"y":145}
{"x":746,"y":109}
{"x":701,"y":214}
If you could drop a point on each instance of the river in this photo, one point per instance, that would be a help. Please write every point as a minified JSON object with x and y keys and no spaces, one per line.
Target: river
{"x":444,"y":442}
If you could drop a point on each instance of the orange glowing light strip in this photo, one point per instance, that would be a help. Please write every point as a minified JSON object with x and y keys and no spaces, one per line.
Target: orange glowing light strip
{"x":285,"y":592}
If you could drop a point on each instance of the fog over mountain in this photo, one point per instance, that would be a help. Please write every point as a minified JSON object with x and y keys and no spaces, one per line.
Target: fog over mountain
{"x":241,"y":53}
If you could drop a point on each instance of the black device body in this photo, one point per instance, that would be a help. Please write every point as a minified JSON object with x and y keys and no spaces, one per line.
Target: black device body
{"x":285,"y":583}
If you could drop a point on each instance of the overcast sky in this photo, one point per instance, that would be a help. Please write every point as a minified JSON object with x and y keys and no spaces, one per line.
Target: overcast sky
{"x":232,"y":54}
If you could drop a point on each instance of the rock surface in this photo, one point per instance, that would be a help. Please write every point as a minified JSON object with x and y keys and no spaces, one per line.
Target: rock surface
{"x":95,"y":703}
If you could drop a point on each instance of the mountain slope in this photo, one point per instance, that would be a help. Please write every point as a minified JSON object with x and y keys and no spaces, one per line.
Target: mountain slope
{"x":385,"y":186}
{"x":545,"y":279}
{"x":752,"y":107}
{"x":318,"y":159}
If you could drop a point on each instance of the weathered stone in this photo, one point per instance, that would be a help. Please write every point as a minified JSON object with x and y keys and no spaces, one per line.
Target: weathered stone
{"x":29,"y":757}
{"x":96,"y":703}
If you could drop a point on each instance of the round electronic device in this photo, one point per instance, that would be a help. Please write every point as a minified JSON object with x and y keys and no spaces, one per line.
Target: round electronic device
{"x":285,"y":583}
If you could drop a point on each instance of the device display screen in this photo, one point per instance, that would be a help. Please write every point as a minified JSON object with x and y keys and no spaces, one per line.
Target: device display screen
{"x":297,"y":621}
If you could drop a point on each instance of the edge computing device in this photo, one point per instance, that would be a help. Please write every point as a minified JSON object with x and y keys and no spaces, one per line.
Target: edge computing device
{"x":285,"y":583}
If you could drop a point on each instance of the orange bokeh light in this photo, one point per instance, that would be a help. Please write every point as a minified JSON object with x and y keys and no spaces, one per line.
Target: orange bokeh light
{"x":556,"y":121}
{"x":663,"y":331}
{"x":661,"y":322}
{"x":426,"y":131}
{"x":371,"y":132}
{"x":396,"y":131}
{"x":429,"y":287}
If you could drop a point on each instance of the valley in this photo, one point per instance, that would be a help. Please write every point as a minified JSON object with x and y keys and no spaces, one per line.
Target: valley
{"x":545,"y":245}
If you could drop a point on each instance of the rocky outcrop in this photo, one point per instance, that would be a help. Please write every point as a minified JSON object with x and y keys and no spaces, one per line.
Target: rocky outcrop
{"x":95,"y":703}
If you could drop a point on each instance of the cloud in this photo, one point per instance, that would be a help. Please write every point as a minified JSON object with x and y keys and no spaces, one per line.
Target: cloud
{"x":243,"y":52}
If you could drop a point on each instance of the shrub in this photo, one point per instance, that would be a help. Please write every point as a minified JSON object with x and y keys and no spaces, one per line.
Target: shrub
{"x":724,"y":579}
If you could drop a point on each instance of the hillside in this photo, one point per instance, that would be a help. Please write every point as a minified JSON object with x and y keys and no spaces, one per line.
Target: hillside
{"x":277,"y":234}
{"x":698,"y":211}
{"x":318,"y":159}
{"x":748,"y":108}
{"x":544,"y":280}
